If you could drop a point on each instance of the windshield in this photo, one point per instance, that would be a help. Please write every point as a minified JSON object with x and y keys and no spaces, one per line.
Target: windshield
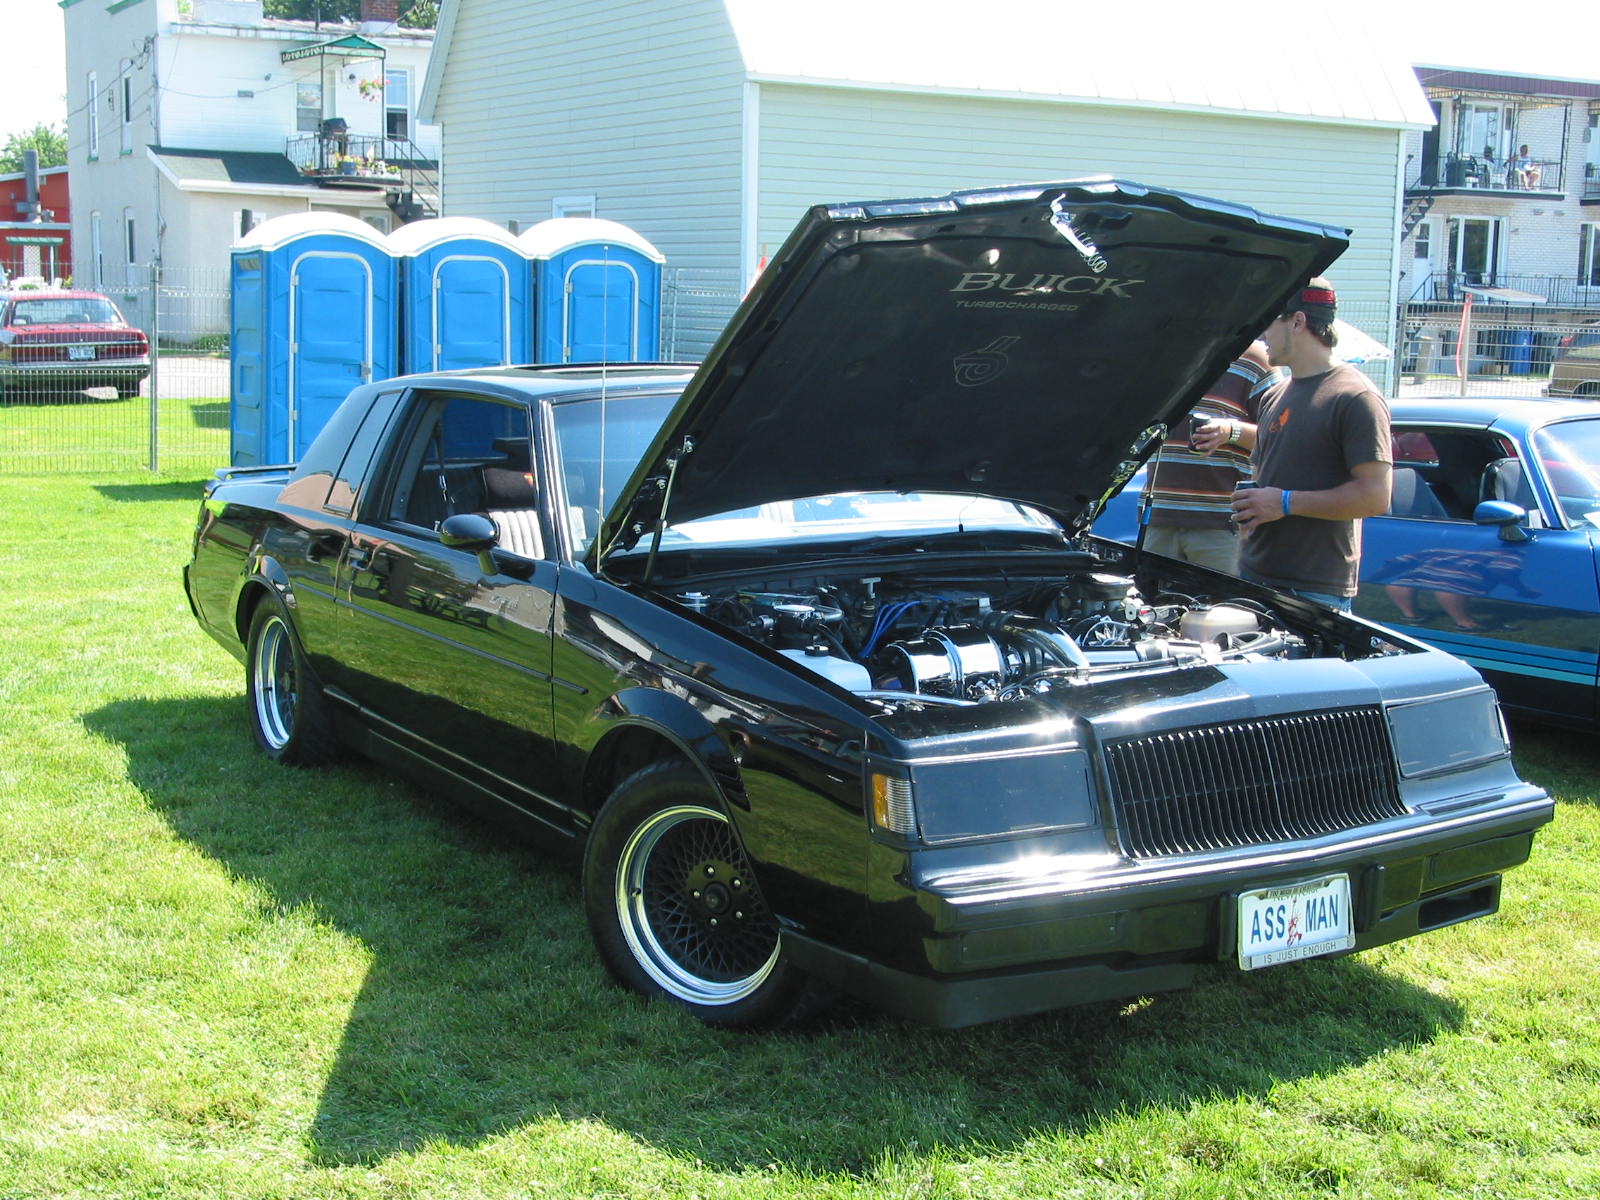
{"x":65,"y":310}
{"x":602,"y":441}
{"x":1569,"y":452}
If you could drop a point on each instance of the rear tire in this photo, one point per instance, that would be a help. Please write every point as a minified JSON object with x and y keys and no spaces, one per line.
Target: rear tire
{"x":288,"y":712}
{"x":675,"y":910}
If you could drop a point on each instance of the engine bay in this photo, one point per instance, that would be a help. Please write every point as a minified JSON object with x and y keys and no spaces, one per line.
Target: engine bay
{"x":952,"y":637}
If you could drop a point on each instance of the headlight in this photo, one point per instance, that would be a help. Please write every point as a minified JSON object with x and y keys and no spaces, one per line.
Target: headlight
{"x":960,"y":799}
{"x":1444,"y":733}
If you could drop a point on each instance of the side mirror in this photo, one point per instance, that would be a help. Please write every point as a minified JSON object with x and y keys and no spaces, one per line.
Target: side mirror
{"x":1510,"y":517}
{"x":468,"y":531}
{"x":473,"y":532}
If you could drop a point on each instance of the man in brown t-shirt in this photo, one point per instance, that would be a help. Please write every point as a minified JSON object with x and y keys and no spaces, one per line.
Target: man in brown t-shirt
{"x":1322,"y":459}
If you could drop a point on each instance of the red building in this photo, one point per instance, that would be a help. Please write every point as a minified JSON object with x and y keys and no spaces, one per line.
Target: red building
{"x":35,"y":231}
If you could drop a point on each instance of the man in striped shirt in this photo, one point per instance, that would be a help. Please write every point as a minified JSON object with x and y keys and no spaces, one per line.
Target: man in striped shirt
{"x":1187,"y":514}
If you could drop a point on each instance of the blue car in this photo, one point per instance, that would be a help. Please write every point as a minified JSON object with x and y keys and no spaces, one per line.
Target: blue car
{"x":1489,"y":547}
{"x":1488,"y":550}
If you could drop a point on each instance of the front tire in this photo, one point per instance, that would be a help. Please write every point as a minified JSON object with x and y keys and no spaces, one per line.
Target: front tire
{"x":288,"y":712}
{"x":674,"y":907}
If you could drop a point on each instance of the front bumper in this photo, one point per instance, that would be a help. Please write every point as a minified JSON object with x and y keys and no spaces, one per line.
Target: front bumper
{"x":1007,"y":947}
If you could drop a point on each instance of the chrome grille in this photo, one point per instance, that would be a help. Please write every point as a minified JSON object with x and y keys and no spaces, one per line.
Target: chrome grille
{"x":1252,"y":782}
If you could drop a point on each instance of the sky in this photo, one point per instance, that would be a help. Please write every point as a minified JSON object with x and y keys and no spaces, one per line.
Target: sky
{"x":33,"y":83}
{"x":1548,"y":37}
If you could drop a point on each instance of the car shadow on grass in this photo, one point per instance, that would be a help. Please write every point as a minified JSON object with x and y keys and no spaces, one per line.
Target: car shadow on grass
{"x":485,"y":1010}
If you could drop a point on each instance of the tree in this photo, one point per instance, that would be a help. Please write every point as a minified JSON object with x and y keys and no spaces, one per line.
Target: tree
{"x":417,"y":14}
{"x":48,"y":141}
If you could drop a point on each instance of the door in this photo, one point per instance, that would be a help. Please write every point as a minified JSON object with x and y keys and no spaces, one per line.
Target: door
{"x":471,"y":313}
{"x":601,"y":312}
{"x":1522,"y":611}
{"x":330,"y":335}
{"x":452,"y":659}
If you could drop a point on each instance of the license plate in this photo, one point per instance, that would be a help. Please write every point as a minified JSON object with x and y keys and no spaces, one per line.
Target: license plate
{"x":81,"y":353}
{"x":1300,"y":920}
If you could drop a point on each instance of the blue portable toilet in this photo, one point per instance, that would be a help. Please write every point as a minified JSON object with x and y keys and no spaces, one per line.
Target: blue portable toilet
{"x":596,"y":291}
{"x":313,"y":315}
{"x":465,"y":295}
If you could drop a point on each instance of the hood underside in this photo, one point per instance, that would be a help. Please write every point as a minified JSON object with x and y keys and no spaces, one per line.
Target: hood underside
{"x":1014,"y":343}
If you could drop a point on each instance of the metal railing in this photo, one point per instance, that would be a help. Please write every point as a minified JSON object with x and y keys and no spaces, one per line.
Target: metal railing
{"x":1554,"y":291}
{"x":1540,"y":176}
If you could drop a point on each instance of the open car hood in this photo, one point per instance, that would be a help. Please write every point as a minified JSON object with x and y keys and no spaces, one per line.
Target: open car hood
{"x":1017,"y":343}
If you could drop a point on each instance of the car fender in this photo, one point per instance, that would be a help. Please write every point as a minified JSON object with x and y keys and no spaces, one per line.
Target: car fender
{"x":673,"y":719}
{"x":262,"y":573}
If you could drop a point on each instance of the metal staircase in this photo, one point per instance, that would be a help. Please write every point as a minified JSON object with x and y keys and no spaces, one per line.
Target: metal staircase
{"x":1416,"y":208}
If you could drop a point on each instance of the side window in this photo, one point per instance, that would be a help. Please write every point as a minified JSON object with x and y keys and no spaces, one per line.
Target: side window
{"x":352,"y":471}
{"x":1441,"y":473}
{"x":455,"y":459}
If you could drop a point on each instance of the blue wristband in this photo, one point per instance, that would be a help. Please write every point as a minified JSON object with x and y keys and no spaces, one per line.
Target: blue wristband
{"x":1286,"y":494}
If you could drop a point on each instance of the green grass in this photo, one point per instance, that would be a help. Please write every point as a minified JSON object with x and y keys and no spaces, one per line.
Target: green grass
{"x":50,"y":432}
{"x":220,"y":978}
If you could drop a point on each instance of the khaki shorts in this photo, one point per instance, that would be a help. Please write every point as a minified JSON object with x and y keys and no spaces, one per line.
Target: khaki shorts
{"x":1214,"y":548}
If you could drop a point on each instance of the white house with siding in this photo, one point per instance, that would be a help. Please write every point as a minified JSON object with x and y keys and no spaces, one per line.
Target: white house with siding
{"x":190,"y":121}
{"x":710,"y":125}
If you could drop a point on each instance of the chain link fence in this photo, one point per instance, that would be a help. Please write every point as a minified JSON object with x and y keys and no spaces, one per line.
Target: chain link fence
{"x":85,"y":414}
{"x":177,"y":419}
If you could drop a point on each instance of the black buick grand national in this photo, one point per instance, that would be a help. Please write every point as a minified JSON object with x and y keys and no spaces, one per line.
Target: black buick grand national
{"x":811,"y":653}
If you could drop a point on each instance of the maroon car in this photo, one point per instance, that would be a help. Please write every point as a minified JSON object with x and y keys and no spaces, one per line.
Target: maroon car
{"x":59,"y":340}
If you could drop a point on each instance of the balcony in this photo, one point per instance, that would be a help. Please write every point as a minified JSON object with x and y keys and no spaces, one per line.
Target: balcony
{"x":1465,"y":174}
{"x":1560,"y":292}
{"x":335,"y":158}
{"x":1591,"y":184}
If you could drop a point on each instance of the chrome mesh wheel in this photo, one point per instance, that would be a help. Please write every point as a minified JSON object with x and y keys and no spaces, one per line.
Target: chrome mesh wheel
{"x":689,"y":909}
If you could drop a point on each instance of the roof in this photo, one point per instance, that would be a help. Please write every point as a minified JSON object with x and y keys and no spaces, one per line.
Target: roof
{"x":1299,"y":63}
{"x":1295,"y":64}
{"x":557,"y":234}
{"x":1509,"y":82}
{"x":1485,"y":410}
{"x":227,"y":166}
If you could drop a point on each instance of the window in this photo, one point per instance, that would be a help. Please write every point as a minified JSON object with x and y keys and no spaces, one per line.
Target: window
{"x":96,"y":251}
{"x":397,"y":104}
{"x":131,"y":246}
{"x":92,"y":108}
{"x":244,"y":220}
{"x":126,"y":87}
{"x":457,"y":456}
{"x":308,"y":106}
{"x":1589,"y":255}
{"x":1486,"y":130}
{"x":1474,"y":246}
{"x":573,"y":206}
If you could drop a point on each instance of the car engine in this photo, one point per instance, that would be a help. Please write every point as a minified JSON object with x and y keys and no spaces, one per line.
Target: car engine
{"x":947,"y":640}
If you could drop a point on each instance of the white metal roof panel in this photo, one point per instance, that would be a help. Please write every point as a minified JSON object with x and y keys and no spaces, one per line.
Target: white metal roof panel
{"x":1291,"y":62}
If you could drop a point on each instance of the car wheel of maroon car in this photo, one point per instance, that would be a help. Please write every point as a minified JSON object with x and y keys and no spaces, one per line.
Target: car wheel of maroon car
{"x":674,"y":907}
{"x":287,"y":711}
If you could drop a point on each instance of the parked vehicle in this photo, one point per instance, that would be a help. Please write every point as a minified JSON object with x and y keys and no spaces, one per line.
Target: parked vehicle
{"x":64,"y":341}
{"x":813,"y":657}
{"x":1489,"y":548}
{"x":1575,"y":370}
